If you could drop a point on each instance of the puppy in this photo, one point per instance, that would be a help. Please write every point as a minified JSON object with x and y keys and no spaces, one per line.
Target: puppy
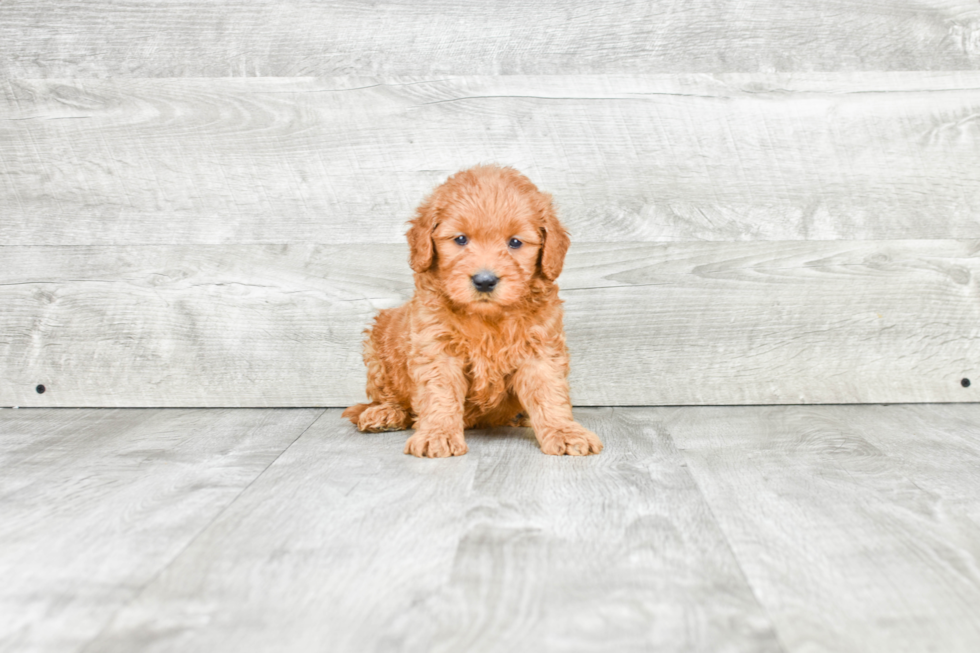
{"x":481,"y":342}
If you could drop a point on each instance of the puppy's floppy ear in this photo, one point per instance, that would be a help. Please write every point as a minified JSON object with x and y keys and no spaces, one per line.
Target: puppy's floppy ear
{"x":556,"y":242}
{"x":421,"y":247}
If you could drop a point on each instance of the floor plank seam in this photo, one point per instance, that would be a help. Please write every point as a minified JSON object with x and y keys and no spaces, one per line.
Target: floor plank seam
{"x":88,"y":646}
{"x":728,"y":544}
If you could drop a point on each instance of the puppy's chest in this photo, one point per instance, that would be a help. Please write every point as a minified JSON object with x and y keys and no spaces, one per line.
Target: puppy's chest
{"x":489,"y":366}
{"x":493,"y":361}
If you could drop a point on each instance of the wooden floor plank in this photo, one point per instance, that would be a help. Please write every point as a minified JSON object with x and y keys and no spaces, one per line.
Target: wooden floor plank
{"x":845,"y":550}
{"x":345,"y":544}
{"x":647,"y":324}
{"x":614,"y":553}
{"x":231,"y":38}
{"x":936,"y":447}
{"x":803,"y":156}
{"x":95,"y":503}
{"x":342,"y":534}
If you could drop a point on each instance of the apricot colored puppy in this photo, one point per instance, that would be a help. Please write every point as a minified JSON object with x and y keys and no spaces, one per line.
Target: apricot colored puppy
{"x":481,"y":342}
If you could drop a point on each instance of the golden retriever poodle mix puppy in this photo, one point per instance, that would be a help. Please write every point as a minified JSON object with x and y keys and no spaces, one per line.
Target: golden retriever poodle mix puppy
{"x":481,"y":342}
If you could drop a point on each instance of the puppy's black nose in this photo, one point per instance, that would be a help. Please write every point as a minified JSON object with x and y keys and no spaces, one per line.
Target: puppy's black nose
{"x":484,"y":281}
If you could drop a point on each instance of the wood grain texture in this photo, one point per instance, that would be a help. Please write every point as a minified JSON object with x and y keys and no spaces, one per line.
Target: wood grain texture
{"x":345,"y":544}
{"x":229,"y":38}
{"x":937,"y":449}
{"x":805,"y":156}
{"x":95,"y":504}
{"x":647,"y":324}
{"x":697,"y":529}
{"x":343,"y":533}
{"x":845,"y":551}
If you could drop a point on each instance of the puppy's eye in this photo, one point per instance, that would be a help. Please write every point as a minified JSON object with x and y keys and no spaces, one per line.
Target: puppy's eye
{"x":461,"y":240}
{"x":514,"y":243}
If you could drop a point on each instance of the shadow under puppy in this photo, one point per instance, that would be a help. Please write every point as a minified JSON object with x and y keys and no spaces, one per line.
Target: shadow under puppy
{"x":481,"y":342}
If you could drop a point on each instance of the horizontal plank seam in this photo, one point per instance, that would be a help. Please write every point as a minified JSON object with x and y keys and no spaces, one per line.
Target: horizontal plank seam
{"x":641,"y":95}
{"x":723,"y":92}
{"x":575,"y":243}
{"x":577,"y":405}
{"x":763,"y":405}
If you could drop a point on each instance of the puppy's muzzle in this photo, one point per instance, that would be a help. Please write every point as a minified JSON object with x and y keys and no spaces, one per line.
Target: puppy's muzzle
{"x":484,"y":281}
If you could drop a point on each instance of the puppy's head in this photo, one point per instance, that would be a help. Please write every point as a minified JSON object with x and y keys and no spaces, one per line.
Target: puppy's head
{"x":485,"y":237}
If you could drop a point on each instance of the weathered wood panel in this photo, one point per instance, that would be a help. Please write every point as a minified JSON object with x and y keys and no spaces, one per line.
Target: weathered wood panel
{"x":94,"y":504}
{"x":345,"y":544}
{"x":844,"y":551}
{"x":675,"y":323}
{"x":640,"y":158}
{"x":232,"y":38}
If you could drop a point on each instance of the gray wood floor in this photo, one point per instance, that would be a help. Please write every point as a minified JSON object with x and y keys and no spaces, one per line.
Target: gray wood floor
{"x":781,"y":528}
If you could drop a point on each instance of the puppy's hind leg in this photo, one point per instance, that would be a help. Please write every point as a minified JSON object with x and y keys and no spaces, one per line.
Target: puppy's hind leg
{"x":354,"y":412}
{"x":377,"y":417}
{"x":385,"y":412}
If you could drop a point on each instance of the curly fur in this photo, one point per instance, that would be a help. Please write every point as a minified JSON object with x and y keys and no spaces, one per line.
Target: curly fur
{"x":454,"y":358}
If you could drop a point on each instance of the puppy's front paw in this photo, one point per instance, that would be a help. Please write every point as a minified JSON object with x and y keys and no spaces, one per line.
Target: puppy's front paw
{"x":571,"y":440}
{"x":436,"y":444}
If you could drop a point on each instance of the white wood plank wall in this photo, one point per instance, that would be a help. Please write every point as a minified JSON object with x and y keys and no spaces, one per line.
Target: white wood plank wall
{"x":202,"y":203}
{"x":276,"y":38}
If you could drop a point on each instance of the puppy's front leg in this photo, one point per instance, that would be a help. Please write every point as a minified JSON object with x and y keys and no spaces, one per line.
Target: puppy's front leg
{"x":438,"y":402}
{"x":542,"y":389}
